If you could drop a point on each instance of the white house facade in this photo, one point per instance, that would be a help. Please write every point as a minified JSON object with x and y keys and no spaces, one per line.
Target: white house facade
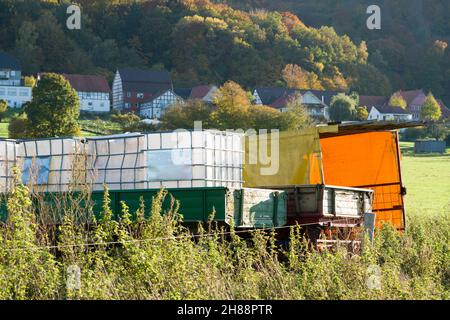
{"x":389,"y":113}
{"x":155,"y":108}
{"x":94,"y":101}
{"x":117,"y":93}
{"x":15,"y":96}
{"x":11,"y":89}
{"x":93,"y":91}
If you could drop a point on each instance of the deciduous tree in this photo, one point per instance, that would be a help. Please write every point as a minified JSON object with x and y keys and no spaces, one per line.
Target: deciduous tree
{"x":55,"y":108}
{"x":233,"y":105}
{"x":431,"y":110}
{"x":397,"y":100}
{"x":342,"y":107}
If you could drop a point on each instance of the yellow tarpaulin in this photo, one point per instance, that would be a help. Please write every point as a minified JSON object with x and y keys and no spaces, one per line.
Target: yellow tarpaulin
{"x":298,"y":159}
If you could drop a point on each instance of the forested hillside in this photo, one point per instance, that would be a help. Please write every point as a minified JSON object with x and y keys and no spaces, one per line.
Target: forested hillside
{"x":409,"y":48}
{"x":200,"y":41}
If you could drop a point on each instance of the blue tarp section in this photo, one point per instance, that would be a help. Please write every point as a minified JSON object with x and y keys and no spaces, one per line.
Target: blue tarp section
{"x":175,"y":164}
{"x":38,"y":168}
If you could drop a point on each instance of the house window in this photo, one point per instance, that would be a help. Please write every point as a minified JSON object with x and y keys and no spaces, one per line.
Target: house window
{"x":140,"y":95}
{"x":127,"y":105}
{"x":12,"y":92}
{"x":129,"y":94}
{"x":90,"y":104}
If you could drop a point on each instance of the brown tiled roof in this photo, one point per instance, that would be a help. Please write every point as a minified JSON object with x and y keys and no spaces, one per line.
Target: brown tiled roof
{"x":199,"y":92}
{"x":146,"y":81}
{"x":370,"y":101}
{"x":410,"y":95}
{"x":282,"y":101}
{"x":88,"y":83}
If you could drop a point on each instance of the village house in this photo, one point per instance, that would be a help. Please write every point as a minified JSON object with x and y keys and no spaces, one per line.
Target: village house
{"x":389,"y":113}
{"x":155,"y":107}
{"x":414,"y":101}
{"x":12,"y":89}
{"x":134,"y":87}
{"x":93,"y":91}
{"x":316,"y":102}
{"x":201,"y":92}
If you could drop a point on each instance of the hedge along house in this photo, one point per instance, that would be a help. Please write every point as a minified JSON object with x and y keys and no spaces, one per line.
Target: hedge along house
{"x":132,"y":87}
{"x":11,"y":88}
{"x":357,"y":155}
{"x":93,"y":91}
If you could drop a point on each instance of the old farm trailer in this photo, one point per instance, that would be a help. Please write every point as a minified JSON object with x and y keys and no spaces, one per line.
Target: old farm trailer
{"x":328,"y":178}
{"x":362,"y":158}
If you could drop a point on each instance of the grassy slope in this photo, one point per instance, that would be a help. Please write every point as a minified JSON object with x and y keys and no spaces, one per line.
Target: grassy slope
{"x":4,"y":130}
{"x":427,"y":179}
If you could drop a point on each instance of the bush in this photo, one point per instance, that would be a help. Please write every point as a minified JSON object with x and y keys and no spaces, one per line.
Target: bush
{"x":412,"y":134}
{"x":17,"y":128}
{"x":127,"y":121}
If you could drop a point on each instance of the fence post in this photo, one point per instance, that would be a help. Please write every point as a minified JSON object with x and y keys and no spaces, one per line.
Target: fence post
{"x":369,"y":224}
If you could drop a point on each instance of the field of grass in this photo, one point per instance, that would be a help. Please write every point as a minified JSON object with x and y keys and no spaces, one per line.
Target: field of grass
{"x":4,"y":130}
{"x":427,"y":179}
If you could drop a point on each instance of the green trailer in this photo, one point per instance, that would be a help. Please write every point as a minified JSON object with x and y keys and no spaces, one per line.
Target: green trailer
{"x":247,"y":207}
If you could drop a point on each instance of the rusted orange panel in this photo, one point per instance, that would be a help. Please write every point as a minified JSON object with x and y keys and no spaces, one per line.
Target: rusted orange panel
{"x":367,"y":160}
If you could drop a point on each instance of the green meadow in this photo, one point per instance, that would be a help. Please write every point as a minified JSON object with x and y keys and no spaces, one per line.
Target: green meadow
{"x":427,"y":180}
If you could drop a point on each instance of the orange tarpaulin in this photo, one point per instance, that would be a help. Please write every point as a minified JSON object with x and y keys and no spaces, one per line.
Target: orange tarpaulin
{"x":367,"y":160}
{"x":326,"y":155}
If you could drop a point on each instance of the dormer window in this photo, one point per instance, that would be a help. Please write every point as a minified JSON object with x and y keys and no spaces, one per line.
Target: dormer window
{"x":140,"y":95}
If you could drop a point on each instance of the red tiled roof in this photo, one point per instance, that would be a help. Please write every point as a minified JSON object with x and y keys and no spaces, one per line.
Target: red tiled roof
{"x":88,"y":83}
{"x":282,"y":101}
{"x":410,"y":95}
{"x":200,"y":92}
{"x":370,"y":101}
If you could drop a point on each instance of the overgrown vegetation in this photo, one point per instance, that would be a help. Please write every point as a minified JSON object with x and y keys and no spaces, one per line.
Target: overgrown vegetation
{"x":149,"y":255}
